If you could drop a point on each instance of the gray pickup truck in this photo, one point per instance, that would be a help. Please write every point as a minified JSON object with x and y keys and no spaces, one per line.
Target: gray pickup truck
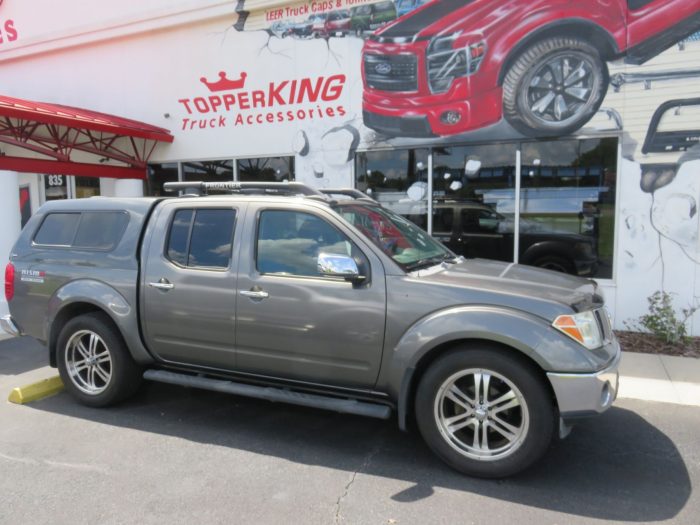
{"x":322,"y":299}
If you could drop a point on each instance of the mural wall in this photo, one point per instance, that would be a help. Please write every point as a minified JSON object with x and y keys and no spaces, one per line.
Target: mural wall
{"x":599,"y":99}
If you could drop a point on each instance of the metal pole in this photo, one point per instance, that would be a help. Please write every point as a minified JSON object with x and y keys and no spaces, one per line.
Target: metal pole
{"x":430,"y":191}
{"x":516,"y":218}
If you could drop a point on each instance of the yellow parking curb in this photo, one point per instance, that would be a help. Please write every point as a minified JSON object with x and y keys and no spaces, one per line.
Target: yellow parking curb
{"x":39,"y":390}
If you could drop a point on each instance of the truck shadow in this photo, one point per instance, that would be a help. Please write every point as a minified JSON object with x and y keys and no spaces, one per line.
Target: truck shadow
{"x":617,"y":467}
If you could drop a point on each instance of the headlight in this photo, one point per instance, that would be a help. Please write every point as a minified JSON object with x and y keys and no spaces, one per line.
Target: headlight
{"x":582,"y":327}
{"x":445,"y":63}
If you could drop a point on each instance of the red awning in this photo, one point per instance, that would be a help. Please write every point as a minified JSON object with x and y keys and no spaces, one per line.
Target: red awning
{"x":55,"y":132}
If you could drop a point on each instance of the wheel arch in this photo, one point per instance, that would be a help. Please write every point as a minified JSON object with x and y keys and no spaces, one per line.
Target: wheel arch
{"x":406,"y":404}
{"x":84,"y":296}
{"x":590,"y":32}
{"x":526,"y":335}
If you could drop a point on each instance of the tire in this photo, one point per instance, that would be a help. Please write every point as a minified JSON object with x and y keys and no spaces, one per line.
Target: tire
{"x":529,"y":411}
{"x":556,"y":264}
{"x":113,"y":377}
{"x":536,"y":99}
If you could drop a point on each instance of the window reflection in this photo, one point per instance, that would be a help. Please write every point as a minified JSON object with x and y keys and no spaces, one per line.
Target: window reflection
{"x":567,"y":205}
{"x":398,"y":179}
{"x":266,"y":169}
{"x":159,"y":174}
{"x":473,"y":199}
{"x":208,"y":171}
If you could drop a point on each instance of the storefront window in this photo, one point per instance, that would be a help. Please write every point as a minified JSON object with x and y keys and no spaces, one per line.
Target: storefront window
{"x":87,"y":187}
{"x":159,"y":174}
{"x":208,"y":171}
{"x":269,"y":169}
{"x":398,"y":179}
{"x":473,"y":199}
{"x":567,"y":205}
{"x":55,"y":187}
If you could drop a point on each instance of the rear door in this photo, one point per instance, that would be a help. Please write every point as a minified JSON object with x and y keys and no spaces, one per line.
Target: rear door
{"x":294,"y":323}
{"x":188,"y":286}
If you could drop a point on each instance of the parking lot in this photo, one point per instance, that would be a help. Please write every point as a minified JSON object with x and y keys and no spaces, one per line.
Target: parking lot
{"x":175,"y":455}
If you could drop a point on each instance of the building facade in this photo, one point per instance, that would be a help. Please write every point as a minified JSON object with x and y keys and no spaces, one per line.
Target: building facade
{"x":561,"y":134}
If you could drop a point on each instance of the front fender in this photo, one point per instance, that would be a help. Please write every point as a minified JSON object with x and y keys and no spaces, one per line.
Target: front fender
{"x":521,"y":331}
{"x":107,"y":299}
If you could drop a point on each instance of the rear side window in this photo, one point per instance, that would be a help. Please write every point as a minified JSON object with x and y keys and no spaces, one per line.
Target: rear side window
{"x":58,"y":229}
{"x":100,"y":230}
{"x":201,"y":238}
{"x":94,"y":230}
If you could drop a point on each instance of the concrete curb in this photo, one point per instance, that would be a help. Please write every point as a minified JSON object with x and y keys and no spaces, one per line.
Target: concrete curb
{"x":661,"y":378}
{"x":35,"y":391}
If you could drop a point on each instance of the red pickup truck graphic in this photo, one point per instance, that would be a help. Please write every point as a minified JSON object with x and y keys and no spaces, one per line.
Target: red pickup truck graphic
{"x":453,"y":66}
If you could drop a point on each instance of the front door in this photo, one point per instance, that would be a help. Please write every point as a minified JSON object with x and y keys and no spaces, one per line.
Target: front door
{"x":294,"y":323}
{"x":189,"y":283}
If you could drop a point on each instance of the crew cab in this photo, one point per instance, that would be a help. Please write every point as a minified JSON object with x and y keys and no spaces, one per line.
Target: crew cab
{"x":328,"y":300}
{"x":453,"y":66}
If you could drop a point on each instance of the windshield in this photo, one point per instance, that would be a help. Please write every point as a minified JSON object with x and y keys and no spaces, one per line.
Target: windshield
{"x":399,"y":238}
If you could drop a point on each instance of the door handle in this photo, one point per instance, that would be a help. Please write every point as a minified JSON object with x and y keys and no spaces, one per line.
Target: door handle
{"x":163,"y":284}
{"x":255,"y":294}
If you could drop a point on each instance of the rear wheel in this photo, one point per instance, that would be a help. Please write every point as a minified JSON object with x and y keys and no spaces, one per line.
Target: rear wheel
{"x":554,"y":87}
{"x":485,"y":412}
{"x":554,"y":263}
{"x":94,"y":363}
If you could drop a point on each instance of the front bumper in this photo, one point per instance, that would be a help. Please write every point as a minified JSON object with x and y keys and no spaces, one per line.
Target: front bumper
{"x":9,"y":326}
{"x":583,"y":395}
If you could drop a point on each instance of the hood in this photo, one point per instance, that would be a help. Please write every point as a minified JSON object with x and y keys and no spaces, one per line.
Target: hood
{"x":521,"y":284}
{"x":451,"y":16}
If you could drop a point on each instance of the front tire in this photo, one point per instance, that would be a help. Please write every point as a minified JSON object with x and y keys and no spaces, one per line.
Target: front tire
{"x":94,"y":363}
{"x":554,"y":87}
{"x":485,"y":411}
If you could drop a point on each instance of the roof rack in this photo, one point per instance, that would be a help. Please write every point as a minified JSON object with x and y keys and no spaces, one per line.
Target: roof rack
{"x":197,"y":188}
{"x":348,"y":192}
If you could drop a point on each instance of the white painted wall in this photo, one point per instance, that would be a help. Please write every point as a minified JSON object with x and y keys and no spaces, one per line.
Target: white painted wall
{"x":9,"y":223}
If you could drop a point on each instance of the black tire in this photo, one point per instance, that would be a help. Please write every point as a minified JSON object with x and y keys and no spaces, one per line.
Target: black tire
{"x":520,"y":96}
{"x":535,"y":414}
{"x":124,"y":375}
{"x":556,"y":264}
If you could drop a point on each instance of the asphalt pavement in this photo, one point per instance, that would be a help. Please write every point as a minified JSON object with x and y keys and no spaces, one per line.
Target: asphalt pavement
{"x":176,"y":455}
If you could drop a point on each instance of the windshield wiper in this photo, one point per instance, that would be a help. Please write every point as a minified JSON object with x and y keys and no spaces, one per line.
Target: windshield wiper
{"x":431,"y":261}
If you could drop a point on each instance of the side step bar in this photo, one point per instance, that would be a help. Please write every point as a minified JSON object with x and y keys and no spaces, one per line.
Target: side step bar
{"x":346,"y":406}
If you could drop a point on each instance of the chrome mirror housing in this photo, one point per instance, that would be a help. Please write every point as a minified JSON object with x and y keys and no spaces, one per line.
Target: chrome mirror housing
{"x":336,"y":265}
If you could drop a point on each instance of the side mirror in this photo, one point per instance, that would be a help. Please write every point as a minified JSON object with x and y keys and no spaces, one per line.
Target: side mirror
{"x":336,"y":265}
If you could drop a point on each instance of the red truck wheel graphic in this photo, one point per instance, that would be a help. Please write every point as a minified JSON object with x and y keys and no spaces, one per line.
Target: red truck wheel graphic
{"x":554,"y":87}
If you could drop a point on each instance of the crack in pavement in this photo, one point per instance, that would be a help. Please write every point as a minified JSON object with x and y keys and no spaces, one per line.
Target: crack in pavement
{"x":365,"y":463}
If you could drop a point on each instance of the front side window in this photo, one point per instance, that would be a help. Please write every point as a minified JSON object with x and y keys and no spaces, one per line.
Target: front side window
{"x":201,"y":238}
{"x":289,"y":242}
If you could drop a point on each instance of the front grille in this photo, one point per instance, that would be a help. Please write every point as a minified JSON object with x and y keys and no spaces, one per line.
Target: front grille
{"x":391,"y":72}
{"x":603,"y":320}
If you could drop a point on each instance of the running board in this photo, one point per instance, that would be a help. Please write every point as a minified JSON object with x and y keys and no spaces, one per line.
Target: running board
{"x":346,"y":406}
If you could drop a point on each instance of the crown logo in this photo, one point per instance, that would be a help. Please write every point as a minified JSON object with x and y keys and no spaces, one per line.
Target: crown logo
{"x":224,"y":84}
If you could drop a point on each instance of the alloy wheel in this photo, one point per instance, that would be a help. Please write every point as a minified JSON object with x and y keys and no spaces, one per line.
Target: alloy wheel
{"x":88,"y":362}
{"x":481,"y":414}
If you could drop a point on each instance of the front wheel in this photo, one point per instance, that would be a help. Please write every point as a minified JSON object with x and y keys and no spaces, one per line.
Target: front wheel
{"x":554,"y":87}
{"x":94,"y":363}
{"x":485,"y":411}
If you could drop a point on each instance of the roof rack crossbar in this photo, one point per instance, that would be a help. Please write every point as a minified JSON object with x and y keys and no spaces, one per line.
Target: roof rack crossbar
{"x":202,"y":188}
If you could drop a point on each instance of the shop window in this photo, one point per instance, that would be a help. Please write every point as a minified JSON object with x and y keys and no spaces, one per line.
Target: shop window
{"x":87,"y":187}
{"x":398,"y":179}
{"x":159,"y":174}
{"x":475,"y":186}
{"x":266,"y":169}
{"x":55,"y":187}
{"x":208,"y":171}
{"x":567,"y":205}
